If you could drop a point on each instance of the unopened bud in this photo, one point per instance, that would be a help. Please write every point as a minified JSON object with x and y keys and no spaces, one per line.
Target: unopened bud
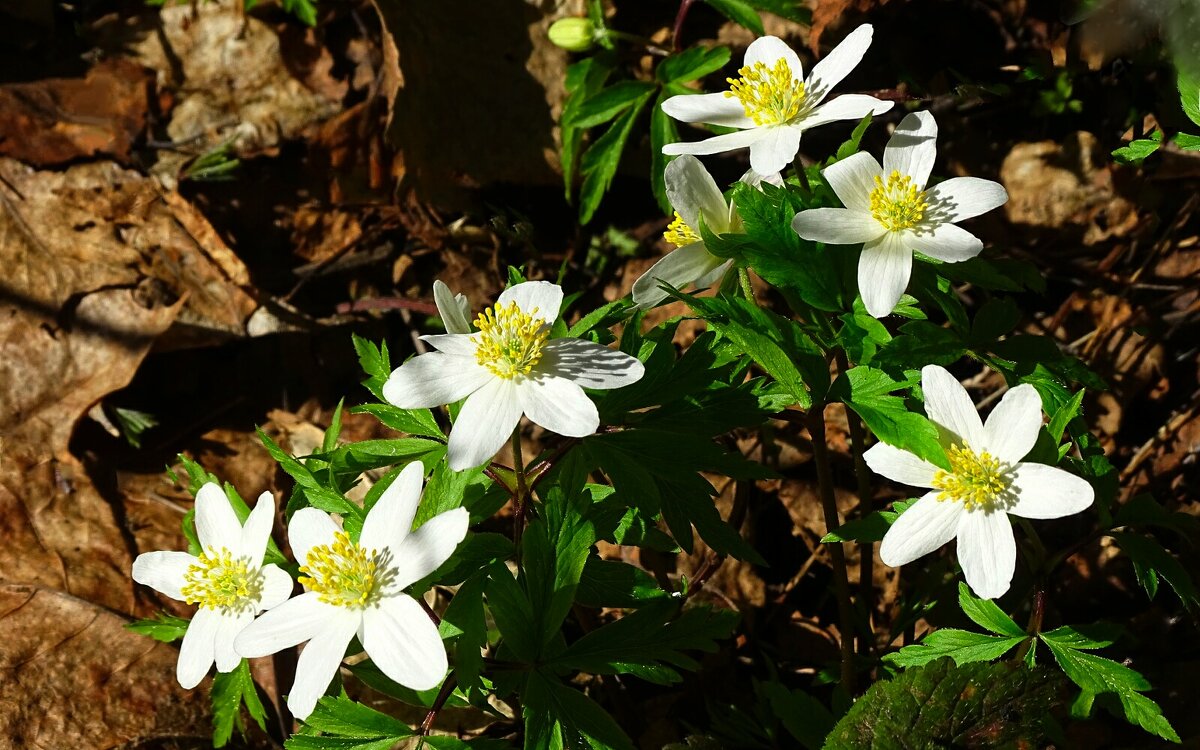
{"x":573,"y":34}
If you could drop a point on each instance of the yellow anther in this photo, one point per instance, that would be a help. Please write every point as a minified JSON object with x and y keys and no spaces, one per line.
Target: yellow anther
{"x":218,"y":580}
{"x":975,"y":480}
{"x":343,"y":573}
{"x":679,"y":233}
{"x":510,"y":341}
{"x":769,"y":95}
{"x":897,"y":204}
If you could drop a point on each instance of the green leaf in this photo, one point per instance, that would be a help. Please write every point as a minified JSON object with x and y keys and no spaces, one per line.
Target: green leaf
{"x":866,"y":390}
{"x":584,"y":78}
{"x":1086,"y":637}
{"x":305,"y":10}
{"x":563,"y":717}
{"x":354,"y":458}
{"x":1135,"y":152}
{"x":663,"y":130}
{"x":1151,"y":560}
{"x":607,"y":104}
{"x":1148,"y":715}
{"x":986,"y":614}
{"x":850,"y":147}
{"x":692,"y":63}
{"x":941,"y":705}
{"x":1189,"y":95}
{"x":612,"y":583}
{"x":1187,"y":141}
{"x":375,"y":363}
{"x":872,"y":528}
{"x":600,"y":161}
{"x":412,"y":421}
{"x":162,"y":627}
{"x":803,"y":716}
{"x":1064,"y":414}
{"x":230,"y":691}
{"x":963,"y":646}
{"x":341,"y":717}
{"x":740,"y":12}
{"x":649,"y":642}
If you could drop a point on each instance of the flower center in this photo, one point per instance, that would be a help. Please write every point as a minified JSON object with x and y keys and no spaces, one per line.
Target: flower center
{"x":897,"y":204}
{"x":975,"y":480}
{"x":218,"y":580}
{"x":510,"y":341}
{"x":769,"y":95}
{"x":344,"y":573}
{"x":679,"y":233}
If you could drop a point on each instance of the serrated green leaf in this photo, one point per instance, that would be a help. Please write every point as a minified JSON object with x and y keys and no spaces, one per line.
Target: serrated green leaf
{"x":867,"y":391}
{"x":740,"y":12}
{"x":986,"y":614}
{"x":600,"y":161}
{"x":1187,"y":141}
{"x":1152,"y":560}
{"x":1135,"y":152}
{"x":230,"y":691}
{"x":963,"y":646}
{"x":1098,"y":635}
{"x":607,"y":104}
{"x":162,"y":627}
{"x":692,"y":63}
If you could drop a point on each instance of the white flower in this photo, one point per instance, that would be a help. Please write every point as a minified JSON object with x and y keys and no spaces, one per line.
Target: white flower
{"x":228,"y":581}
{"x":987,"y":481}
{"x":358,"y":589}
{"x":693,"y":193}
{"x":772,"y":102}
{"x":510,"y":367}
{"x":453,"y":309}
{"x":889,"y":210}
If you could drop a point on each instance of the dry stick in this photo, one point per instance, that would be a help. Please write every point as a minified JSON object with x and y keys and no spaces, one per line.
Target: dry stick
{"x":841,"y":584}
{"x":866,"y":550}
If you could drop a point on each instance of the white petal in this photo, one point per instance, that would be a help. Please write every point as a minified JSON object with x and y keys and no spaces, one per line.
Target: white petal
{"x":228,"y":627}
{"x":835,"y":66}
{"x":540,"y":299}
{"x":1012,"y":427}
{"x":774,"y":150}
{"x":486,"y":420}
{"x":926,"y":525}
{"x":912,"y":148}
{"x":1048,"y":492}
{"x":163,"y":571}
{"x":309,"y":528}
{"x":198,"y":650}
{"x":679,"y":268}
{"x":945,"y":242}
{"x":714,"y":109}
{"x":216,"y":523}
{"x":853,"y":179}
{"x":404,"y":643}
{"x":947,"y":404}
{"x":295,"y":621}
{"x":837,"y":226}
{"x":717,"y":144}
{"x":767,"y":50}
{"x":883,"y":272}
{"x":559,"y":405}
{"x":257,"y":531}
{"x":845,"y":107}
{"x":424,"y":550}
{"x":319,"y":661}
{"x":434,"y":379}
{"x":711,"y":279}
{"x":692,"y":192}
{"x":591,"y":365}
{"x":755,"y":179}
{"x":457,"y":344}
{"x":452,"y":309}
{"x":987,"y":552}
{"x":963,"y":197}
{"x":900,"y":465}
{"x":391,"y":518}
{"x":277,"y":587}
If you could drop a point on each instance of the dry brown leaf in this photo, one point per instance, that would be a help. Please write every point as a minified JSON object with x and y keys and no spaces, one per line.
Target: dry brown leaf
{"x":828,"y":12}
{"x":73,"y":677}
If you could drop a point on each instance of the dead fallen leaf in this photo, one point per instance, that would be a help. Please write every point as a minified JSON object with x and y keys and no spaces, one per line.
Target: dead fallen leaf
{"x":828,"y":12}
{"x":58,"y":120}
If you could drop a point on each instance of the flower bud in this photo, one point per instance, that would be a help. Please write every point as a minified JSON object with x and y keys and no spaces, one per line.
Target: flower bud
{"x":573,"y":34}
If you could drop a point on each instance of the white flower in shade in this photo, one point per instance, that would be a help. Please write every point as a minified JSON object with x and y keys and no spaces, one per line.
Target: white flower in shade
{"x":507,"y":368}
{"x":357,"y":588}
{"x":772,"y":103}
{"x":228,"y":581}
{"x":889,"y":210}
{"x":693,"y":193}
{"x":986,"y":482}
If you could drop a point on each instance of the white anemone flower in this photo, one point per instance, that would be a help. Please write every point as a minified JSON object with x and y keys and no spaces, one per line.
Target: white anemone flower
{"x":889,"y":210}
{"x":357,"y":588}
{"x":507,"y":368}
{"x":693,"y":193}
{"x":772,"y":103}
{"x":227,"y":580}
{"x":987,"y":481}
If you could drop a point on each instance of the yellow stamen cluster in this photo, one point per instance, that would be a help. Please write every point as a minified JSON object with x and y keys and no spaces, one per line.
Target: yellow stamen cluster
{"x":218,"y":580}
{"x":343,"y":573}
{"x":510,"y":341}
{"x":897,"y":204}
{"x":975,"y":480}
{"x":769,"y":95}
{"x":679,"y":233}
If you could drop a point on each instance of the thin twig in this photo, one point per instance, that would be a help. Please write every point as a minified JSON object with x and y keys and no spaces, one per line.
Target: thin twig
{"x":442,"y":696}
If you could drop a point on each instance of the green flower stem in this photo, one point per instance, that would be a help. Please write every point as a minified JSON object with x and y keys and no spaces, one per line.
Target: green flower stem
{"x":747,"y":287}
{"x":1036,"y":615}
{"x":802,"y":178}
{"x":442,"y":696}
{"x":520,"y":496}
{"x":841,"y":584}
